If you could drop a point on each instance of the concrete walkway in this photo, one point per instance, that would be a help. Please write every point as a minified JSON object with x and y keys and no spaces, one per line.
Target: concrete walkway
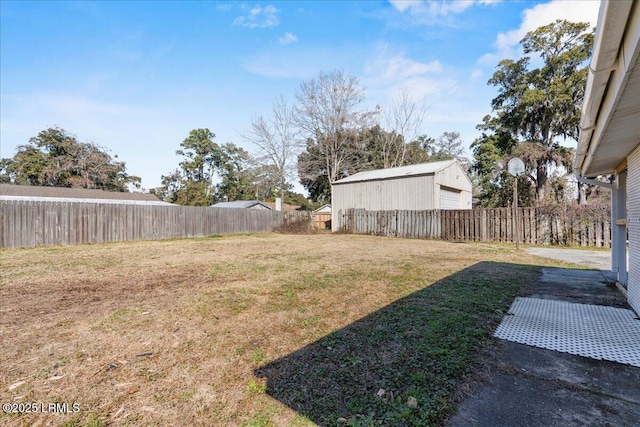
{"x":595,"y":259}
{"x":533,"y":386}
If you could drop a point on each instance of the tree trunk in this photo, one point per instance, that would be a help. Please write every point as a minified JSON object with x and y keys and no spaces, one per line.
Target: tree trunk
{"x":582,"y":193}
{"x":541,"y":182}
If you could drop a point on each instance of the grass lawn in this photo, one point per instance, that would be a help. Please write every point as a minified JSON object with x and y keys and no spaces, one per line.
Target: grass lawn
{"x":252,"y":330}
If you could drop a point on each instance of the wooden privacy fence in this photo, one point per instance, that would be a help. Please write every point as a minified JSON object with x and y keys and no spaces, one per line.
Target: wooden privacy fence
{"x":35,"y":223}
{"x":537,"y":225}
{"x":321,"y":220}
{"x":410,"y":224}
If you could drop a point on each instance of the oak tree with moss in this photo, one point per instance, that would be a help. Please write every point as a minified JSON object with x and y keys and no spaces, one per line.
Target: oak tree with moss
{"x":536,"y":106}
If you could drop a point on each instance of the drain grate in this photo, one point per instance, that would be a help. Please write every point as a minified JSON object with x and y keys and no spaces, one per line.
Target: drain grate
{"x":595,"y":331}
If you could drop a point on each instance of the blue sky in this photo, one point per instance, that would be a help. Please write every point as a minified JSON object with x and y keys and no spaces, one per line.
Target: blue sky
{"x":137,"y":76}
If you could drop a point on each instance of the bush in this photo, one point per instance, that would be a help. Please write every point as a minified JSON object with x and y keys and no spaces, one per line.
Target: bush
{"x":296,"y":223}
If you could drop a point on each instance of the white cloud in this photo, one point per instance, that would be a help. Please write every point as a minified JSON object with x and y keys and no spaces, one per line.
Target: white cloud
{"x":66,"y":105}
{"x":423,"y":87}
{"x":507,"y":43}
{"x":436,"y":8}
{"x":258,"y":17}
{"x":476,"y":74}
{"x":298,"y":62}
{"x":400,"y":67}
{"x":387,"y":74}
{"x":288,"y":38}
{"x":402,"y":5}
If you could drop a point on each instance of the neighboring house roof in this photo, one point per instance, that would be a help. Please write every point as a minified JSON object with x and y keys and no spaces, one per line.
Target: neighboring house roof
{"x":401,"y":172}
{"x":62,"y":194}
{"x":323,"y":209}
{"x":243,"y":204}
{"x":285,"y":207}
{"x":610,"y":121}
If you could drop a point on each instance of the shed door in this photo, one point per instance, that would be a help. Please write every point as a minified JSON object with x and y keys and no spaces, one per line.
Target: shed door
{"x":449,"y":199}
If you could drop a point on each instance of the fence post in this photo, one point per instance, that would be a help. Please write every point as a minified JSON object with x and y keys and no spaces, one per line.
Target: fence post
{"x":483,"y":225}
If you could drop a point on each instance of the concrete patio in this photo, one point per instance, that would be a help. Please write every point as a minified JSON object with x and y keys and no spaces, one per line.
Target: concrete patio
{"x":558,"y":359}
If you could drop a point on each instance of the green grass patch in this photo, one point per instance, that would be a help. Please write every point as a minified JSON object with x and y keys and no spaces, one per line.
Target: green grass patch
{"x":255,"y":387}
{"x":85,"y":420}
{"x":423,"y":347}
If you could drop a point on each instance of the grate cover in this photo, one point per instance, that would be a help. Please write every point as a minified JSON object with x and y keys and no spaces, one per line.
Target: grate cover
{"x":595,"y":331}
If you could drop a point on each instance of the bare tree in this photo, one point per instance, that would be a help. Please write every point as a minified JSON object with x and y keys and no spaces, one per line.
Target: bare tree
{"x":277,"y":140}
{"x":403,"y":120}
{"x":328,"y":113}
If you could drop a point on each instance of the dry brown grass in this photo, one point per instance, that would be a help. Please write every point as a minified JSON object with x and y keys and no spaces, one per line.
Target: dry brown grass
{"x":170,"y":332}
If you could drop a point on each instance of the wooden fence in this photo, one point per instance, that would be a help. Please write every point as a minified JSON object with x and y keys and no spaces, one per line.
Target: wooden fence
{"x":410,"y":224}
{"x":321,"y":220}
{"x":35,"y":223}
{"x":538,"y":226}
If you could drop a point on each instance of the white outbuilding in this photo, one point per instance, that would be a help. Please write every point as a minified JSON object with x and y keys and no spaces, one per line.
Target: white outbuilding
{"x":425,"y":186}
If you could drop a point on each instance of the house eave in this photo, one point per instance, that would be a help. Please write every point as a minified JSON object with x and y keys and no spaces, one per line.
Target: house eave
{"x":607,"y":125}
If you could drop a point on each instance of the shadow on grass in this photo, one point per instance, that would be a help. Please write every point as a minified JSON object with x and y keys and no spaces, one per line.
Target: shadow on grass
{"x":421,"y":347}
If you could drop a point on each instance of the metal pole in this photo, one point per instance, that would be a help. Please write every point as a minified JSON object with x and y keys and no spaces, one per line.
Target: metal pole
{"x":515,"y":211}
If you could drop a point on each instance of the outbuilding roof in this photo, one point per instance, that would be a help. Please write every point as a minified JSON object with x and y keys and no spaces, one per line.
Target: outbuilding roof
{"x":323,"y":209}
{"x":285,"y":207}
{"x":63,"y":194}
{"x":244,"y":204}
{"x":403,"y":171}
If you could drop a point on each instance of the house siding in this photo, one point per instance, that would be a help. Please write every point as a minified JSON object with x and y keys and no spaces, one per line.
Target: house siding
{"x":633,"y":225}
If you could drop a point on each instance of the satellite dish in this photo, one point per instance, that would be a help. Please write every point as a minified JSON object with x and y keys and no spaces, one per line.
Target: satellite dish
{"x":515,"y":166}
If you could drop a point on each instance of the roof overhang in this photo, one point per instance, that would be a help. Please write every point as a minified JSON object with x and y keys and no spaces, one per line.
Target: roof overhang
{"x":610,"y":121}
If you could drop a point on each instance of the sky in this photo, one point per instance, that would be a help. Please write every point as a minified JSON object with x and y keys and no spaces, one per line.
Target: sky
{"x":136,"y":77}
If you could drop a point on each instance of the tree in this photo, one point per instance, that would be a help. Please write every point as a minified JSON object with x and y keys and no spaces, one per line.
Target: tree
{"x":26,"y":167}
{"x":262,"y":182}
{"x":192,"y":183}
{"x":537,"y":106}
{"x":403,"y":120}
{"x":201,"y":154}
{"x":313,"y":174}
{"x":56,"y":158}
{"x":450,"y":146}
{"x":328,"y":114}
{"x":277,"y":140}
{"x":422,"y":150}
{"x":298,"y":199}
{"x":204,"y":163}
{"x":234,"y":169}
{"x":492,"y":183}
{"x":170,"y":189}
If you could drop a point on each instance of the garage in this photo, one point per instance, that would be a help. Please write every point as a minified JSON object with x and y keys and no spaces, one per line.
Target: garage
{"x":449,"y":198}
